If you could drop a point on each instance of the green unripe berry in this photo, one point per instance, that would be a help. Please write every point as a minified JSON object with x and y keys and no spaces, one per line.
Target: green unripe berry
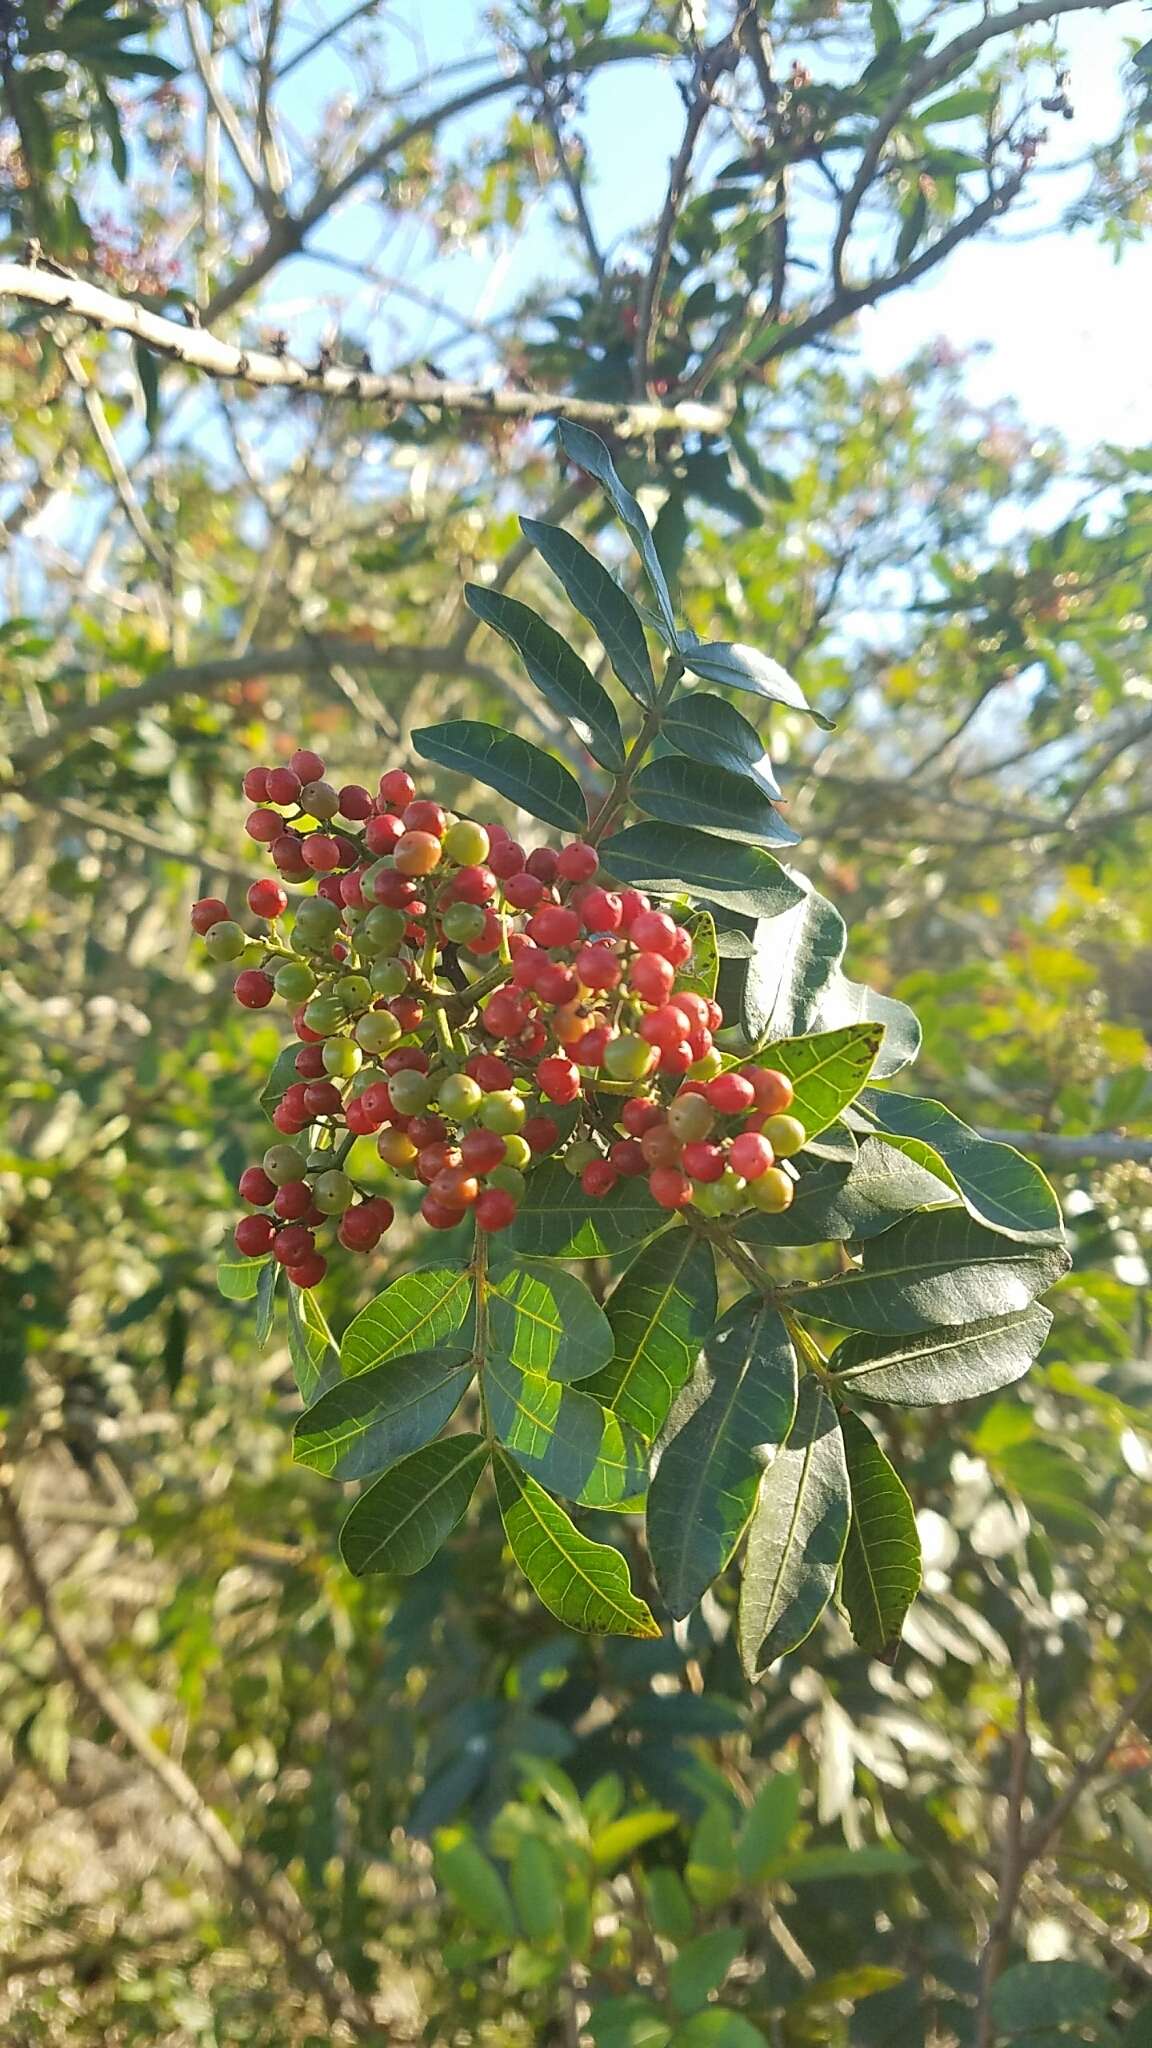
{"x":388,"y":978}
{"x":502,"y":1111}
{"x":772,"y":1191}
{"x":707,"y":1068}
{"x":377,"y":1031}
{"x":628,"y":1057}
{"x":294,"y":981}
{"x":460,"y":1097}
{"x":691,"y":1118}
{"x":354,"y":991}
{"x":410,"y":1093}
{"x":341,"y":1058}
{"x":319,"y":918}
{"x":382,"y":929}
{"x":226,"y":940}
{"x":466,"y":844}
{"x":785,"y":1134}
{"x":507,"y":1177}
{"x":284,"y":1163}
{"x":580,"y":1155}
{"x":463,"y":922}
{"x":517,"y":1151}
{"x":325,"y":1014}
{"x":333,"y":1193}
{"x":721,"y":1197}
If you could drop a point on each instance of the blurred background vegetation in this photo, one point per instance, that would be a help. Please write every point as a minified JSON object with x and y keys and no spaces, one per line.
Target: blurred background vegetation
{"x":244,"y":1798}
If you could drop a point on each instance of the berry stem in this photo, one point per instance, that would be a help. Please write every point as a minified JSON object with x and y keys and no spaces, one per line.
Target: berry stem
{"x":618,"y":795}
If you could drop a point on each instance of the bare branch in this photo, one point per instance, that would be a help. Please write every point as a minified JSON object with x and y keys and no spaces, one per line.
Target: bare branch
{"x":199,"y":350}
{"x":648,"y":309}
{"x":125,"y":488}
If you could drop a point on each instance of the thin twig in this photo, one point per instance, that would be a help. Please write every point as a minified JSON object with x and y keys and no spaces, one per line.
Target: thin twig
{"x":1013,"y":1859}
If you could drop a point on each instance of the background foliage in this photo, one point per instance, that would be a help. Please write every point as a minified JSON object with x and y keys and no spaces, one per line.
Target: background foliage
{"x":454,"y":1821}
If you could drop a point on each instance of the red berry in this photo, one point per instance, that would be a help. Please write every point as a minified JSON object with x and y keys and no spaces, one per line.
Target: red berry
{"x":676,"y":1059}
{"x":490,"y":1070}
{"x":283,"y":786}
{"x":376,"y":1101}
{"x":255,"y":1187}
{"x":455,"y":1187}
{"x":480,"y":1151}
{"x":669,"y":1187}
{"x":267,"y":899}
{"x":750,"y":1155}
{"x":263,"y":826}
{"x":601,"y":911}
{"x":436,"y":1159}
{"x":590,"y":1049}
{"x":495,"y":1209}
{"x":639,"y":1115}
{"x":679,"y":947}
{"x":662,"y":1027}
{"x":524,"y":891}
{"x":694,"y":1007}
{"x":651,"y":975}
{"x":660,"y":1145}
{"x":292,"y":1244}
{"x":306,"y":766}
{"x":555,"y":984}
{"x":543,"y":862}
{"x":773,"y":1091}
{"x":527,"y":960}
{"x":730,"y":1094}
{"x":206,"y":913}
{"x":383,"y":834}
{"x":406,"y":1059}
{"x":352,"y":889}
{"x":255,"y":785}
{"x":474,"y":885}
{"x":394,"y":891}
{"x":558,"y":1079}
{"x":488,"y":940}
{"x":505,"y":858}
{"x":359,"y":1230}
{"x":310,"y":1271}
{"x":577,"y":862}
{"x":397,"y":788}
{"x":355,"y":801}
{"x":253,"y":1235}
{"x":286,"y":1120}
{"x":598,"y":967}
{"x":331,"y":888}
{"x":599,"y":1177}
{"x":504,"y":1014}
{"x":702,"y":1161}
{"x":304,"y":1031}
{"x":540,"y":1134}
{"x":253,"y":988}
{"x":437,"y":1215}
{"x":554,"y":925}
{"x":408,"y":1012}
{"x":358,"y":1120}
{"x":632,"y":903}
{"x":322,"y":1098}
{"x":321,"y":853}
{"x":382,"y":1210}
{"x":288,"y":853}
{"x":425,"y":817}
{"x":293,"y":1201}
{"x":627,"y":1157}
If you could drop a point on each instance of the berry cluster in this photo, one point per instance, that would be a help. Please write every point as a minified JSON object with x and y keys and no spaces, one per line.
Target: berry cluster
{"x":475,"y":1007}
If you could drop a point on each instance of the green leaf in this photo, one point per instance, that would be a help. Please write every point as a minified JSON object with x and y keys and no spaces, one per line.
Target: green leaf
{"x":599,"y":599}
{"x":238,"y":1279}
{"x":717,"y":2028}
{"x":745,"y":668}
{"x":266,"y":1299}
{"x":283,"y":1074}
{"x":618,"y":1839}
{"x":712,"y":731}
{"x":474,"y":1884}
{"x":537,"y":1888}
{"x":853,"y":1002}
{"x":701,"y":1967}
{"x":681,"y":862}
{"x":941,"y":1366}
{"x":147,"y":369}
{"x":1050,"y":1995}
{"x":703,"y":969}
{"x":794,"y":959}
{"x":660,"y":1313}
{"x":817,"y":1866}
{"x":769,"y":1824}
{"x":629,"y":2022}
{"x":416,"y":1313}
{"x":937,"y":1267}
{"x":729,"y":1420}
{"x":974,"y":100}
{"x":311,"y":1345}
{"x":838,"y":1199}
{"x":885,"y":23}
{"x":564,"y":1438}
{"x":796,"y":1535}
{"x":685,"y":792}
{"x":827,"y":1069}
{"x":547,"y":1321}
{"x":996,"y":1184}
{"x":584,"y":1584}
{"x":401,"y":1522}
{"x":359,"y":1426}
{"x":880,"y":1576}
{"x":504,"y":762}
{"x":556,"y":1220}
{"x":557,"y":671}
{"x":589,"y":453}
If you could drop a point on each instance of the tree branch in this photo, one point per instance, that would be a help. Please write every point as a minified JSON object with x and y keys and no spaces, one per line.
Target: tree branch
{"x":197,"y":349}
{"x":1106,"y":1148}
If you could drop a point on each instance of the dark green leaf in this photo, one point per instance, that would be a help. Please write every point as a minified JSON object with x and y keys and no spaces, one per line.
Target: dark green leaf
{"x":599,"y":598}
{"x":701,"y":1967}
{"x":417,"y":1313}
{"x":546,"y":1321}
{"x":852,"y":1002}
{"x":974,"y":100}
{"x":729,"y":1420}
{"x":564,"y":1438}
{"x":827,"y":1069}
{"x":149,"y":375}
{"x":556,"y":1220}
{"x":503,"y":761}
{"x":996,"y":1184}
{"x":588,"y":452}
{"x":270,"y":1271}
{"x":630,"y":2022}
{"x":557,"y":671}
{"x":584,"y":1584}
{"x":401,"y":1522}
{"x":717,"y":2027}
{"x":941,"y":1366}
{"x":703,"y":968}
{"x":880,"y":1577}
{"x":796,"y":1535}
{"x":1050,"y":1995}
{"x":937,"y":1267}
{"x":311,"y":1345}
{"x":474,"y":1884}
{"x":769,"y":1824}
{"x":686,"y":792}
{"x":284,"y":1073}
{"x":361,"y":1425}
{"x":660,"y":1313}
{"x":745,"y":668}
{"x":885,"y":23}
{"x":817,"y":1866}
{"x":712,"y":731}
{"x":238,"y":1279}
{"x":681,"y":862}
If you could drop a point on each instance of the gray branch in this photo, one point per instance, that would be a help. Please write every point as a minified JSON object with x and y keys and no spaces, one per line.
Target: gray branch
{"x":1103,"y":1148}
